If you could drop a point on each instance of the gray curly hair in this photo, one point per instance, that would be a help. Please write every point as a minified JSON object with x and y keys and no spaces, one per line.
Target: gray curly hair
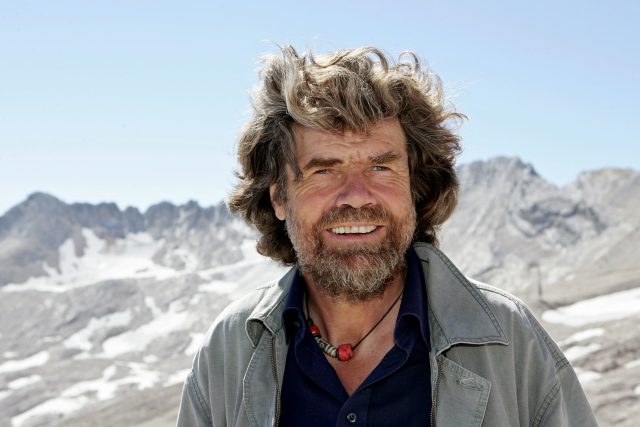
{"x":348,"y":90}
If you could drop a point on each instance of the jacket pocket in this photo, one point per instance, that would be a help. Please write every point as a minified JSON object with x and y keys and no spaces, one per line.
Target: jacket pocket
{"x":462,"y":396}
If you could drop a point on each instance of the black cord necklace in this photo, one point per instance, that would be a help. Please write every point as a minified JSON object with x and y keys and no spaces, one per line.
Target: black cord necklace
{"x":343,"y":352}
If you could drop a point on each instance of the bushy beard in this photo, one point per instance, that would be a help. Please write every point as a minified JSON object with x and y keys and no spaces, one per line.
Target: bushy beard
{"x":358,"y":272}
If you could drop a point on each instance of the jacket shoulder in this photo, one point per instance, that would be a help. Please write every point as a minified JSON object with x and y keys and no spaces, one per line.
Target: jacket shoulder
{"x":518,"y":319}
{"x":556,"y":397}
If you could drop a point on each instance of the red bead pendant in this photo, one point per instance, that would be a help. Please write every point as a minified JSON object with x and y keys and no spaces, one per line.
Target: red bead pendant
{"x":345,"y":352}
{"x":315,"y":331}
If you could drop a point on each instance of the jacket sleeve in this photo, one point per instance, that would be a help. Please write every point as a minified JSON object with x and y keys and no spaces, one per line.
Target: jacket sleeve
{"x":194,"y":411}
{"x":564,"y":402}
{"x":213,"y":391}
{"x":203,"y":393}
{"x":207,"y":396}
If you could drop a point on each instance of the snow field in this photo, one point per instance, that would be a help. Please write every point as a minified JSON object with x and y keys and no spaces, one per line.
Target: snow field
{"x":581,"y":336}
{"x":82,"y":339}
{"x":80,"y":394}
{"x":24,"y":382}
{"x":123,"y":258}
{"x":604,"y":308}
{"x":34,"y":361}
{"x":574,"y":353}
{"x":632,"y":364}
{"x":137,"y":340}
{"x":177,"y":378}
{"x":585,"y":376}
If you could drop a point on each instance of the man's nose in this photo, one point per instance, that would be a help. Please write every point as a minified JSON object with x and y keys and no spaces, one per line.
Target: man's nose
{"x":355,"y":192}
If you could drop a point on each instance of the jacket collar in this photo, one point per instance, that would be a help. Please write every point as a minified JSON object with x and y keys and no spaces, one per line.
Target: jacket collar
{"x":267,"y":314}
{"x":458,"y":312}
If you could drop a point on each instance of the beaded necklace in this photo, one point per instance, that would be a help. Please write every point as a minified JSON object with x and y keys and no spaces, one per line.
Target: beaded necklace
{"x":343,"y":352}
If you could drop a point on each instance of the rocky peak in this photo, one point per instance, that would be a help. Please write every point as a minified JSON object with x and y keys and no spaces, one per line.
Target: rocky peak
{"x":495,"y":171}
{"x":509,"y":217}
{"x":40,"y":217}
{"x":615,"y":193}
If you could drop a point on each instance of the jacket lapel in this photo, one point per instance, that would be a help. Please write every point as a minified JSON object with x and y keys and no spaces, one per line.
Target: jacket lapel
{"x":263,"y":378}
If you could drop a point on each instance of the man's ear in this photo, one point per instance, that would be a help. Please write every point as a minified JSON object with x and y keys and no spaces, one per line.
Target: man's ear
{"x":278,"y":205}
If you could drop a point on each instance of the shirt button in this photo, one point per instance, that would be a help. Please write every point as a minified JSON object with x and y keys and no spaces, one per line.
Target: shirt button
{"x":352,"y":417}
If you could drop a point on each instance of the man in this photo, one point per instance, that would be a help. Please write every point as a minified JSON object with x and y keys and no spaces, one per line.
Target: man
{"x":347,"y":170}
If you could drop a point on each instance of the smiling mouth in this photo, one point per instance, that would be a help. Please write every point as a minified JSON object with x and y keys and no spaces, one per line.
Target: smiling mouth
{"x":355,"y":229}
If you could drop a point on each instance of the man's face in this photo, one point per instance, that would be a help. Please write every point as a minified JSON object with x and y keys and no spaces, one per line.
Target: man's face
{"x":350,"y":215}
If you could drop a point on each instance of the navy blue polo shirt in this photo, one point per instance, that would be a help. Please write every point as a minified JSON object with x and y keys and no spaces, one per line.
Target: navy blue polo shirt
{"x":398,"y":390}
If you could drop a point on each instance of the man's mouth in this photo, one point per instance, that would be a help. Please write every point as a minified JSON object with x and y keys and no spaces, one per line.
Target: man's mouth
{"x":355,"y":229}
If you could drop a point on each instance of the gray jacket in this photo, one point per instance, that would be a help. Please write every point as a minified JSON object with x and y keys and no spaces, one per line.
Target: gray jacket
{"x":492,"y":364}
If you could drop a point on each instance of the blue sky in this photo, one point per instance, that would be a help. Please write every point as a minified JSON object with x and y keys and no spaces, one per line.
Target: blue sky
{"x":136,"y":102}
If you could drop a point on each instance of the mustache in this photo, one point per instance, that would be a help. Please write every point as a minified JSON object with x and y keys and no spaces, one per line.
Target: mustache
{"x":351,"y":214}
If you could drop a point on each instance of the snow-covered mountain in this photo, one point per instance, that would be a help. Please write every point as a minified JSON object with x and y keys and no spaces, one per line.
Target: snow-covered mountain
{"x":101,"y":309}
{"x":39,"y":235}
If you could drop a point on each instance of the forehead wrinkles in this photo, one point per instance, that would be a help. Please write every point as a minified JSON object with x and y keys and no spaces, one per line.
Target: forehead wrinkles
{"x":312,"y":136}
{"x":361,"y":149}
{"x":348,"y":146}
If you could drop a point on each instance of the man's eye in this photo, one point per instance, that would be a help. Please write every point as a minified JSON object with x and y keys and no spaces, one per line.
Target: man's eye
{"x":378,"y":168}
{"x":322,"y":171}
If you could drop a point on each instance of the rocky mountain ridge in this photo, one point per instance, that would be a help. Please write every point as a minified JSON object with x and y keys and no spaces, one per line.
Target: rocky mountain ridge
{"x":193,"y":237}
{"x":516,"y":230}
